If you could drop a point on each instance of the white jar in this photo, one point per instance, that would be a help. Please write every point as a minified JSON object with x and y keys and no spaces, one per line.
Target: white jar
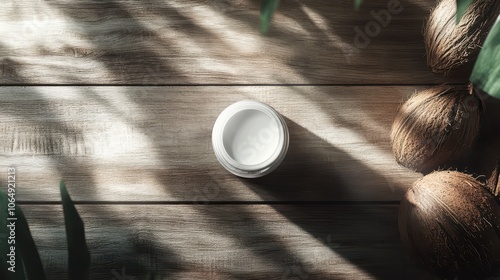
{"x":250,"y":139}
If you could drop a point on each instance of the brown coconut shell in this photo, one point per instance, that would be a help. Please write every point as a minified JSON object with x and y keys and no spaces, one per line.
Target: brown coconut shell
{"x":453,"y":47}
{"x":452,"y":224}
{"x":493,"y":182}
{"x":435,"y":127}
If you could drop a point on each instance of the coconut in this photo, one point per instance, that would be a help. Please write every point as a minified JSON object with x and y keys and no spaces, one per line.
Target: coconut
{"x":452,"y":224}
{"x":451,"y":46}
{"x":493,"y":183}
{"x":435,"y":127}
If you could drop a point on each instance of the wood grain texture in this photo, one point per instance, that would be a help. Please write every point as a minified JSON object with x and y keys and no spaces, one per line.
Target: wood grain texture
{"x":211,"y":42}
{"x":230,"y":242}
{"x":154,"y":143}
{"x":138,"y":159}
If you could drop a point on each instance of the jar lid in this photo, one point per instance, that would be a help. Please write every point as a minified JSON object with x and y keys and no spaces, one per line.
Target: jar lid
{"x":250,"y":139}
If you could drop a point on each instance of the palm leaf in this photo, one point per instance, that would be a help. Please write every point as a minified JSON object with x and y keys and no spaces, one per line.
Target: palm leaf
{"x":28,"y":262}
{"x":486,"y":72}
{"x":78,"y":252}
{"x":29,"y":253}
{"x":267,"y":9}
{"x":462,"y":6}
{"x":357,"y":4}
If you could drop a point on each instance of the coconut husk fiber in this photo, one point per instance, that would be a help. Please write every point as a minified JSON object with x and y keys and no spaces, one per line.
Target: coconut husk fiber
{"x":435,"y":127}
{"x":493,"y":182}
{"x":451,"y":223}
{"x":451,"y":47}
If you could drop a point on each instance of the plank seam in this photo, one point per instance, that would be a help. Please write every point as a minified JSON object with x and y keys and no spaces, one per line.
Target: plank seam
{"x":333,"y":202}
{"x":218,"y":85}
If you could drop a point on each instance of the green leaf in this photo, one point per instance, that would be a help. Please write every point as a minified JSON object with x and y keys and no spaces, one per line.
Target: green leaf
{"x":29,"y":253}
{"x":28,"y":262}
{"x":267,"y":9}
{"x":357,"y":4}
{"x":462,"y":6}
{"x":20,"y":270}
{"x":78,"y":252}
{"x":486,"y":72}
{"x":4,"y":233}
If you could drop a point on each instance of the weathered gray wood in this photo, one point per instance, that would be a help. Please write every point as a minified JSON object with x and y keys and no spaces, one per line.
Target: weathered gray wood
{"x":199,"y":41}
{"x":154,"y":143}
{"x":230,"y":242}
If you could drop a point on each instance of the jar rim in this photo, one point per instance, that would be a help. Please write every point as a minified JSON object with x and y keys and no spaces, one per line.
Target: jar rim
{"x":249,"y":170}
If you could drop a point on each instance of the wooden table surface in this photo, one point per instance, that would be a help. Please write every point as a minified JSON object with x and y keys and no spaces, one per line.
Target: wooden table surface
{"x":119,"y":97}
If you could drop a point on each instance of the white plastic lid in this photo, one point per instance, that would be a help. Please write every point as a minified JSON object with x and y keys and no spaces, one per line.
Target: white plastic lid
{"x":250,"y":139}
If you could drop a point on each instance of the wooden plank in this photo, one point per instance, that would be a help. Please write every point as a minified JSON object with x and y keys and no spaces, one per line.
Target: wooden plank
{"x":212,"y":42}
{"x":154,"y":143}
{"x":230,"y":242}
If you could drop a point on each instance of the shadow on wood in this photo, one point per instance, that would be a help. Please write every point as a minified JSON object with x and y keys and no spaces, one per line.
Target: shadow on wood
{"x":303,"y":170}
{"x":216,"y":42}
{"x":313,"y":168}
